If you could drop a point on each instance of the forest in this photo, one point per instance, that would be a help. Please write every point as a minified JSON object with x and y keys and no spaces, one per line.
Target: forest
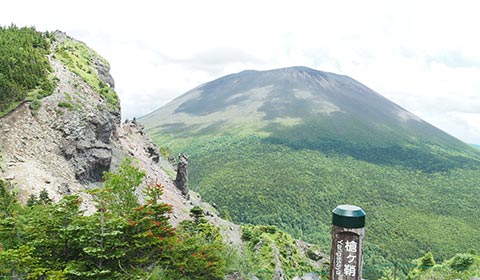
{"x":409,"y":212}
{"x":25,"y":70}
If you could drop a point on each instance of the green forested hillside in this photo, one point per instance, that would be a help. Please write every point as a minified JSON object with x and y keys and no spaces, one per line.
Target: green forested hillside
{"x":408,"y":211}
{"x":24,"y":68}
{"x":285,"y":146}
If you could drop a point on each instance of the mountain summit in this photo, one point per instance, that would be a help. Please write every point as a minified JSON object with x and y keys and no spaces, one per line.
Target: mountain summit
{"x":288,"y":92}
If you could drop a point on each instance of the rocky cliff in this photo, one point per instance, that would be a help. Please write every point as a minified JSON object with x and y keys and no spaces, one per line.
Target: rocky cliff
{"x":76,"y":134}
{"x":65,"y":146}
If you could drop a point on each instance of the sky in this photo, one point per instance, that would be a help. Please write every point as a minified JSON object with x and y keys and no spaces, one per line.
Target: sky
{"x":422,"y":55}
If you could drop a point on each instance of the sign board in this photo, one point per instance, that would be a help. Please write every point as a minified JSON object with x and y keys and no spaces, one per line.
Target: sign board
{"x":347,"y":243}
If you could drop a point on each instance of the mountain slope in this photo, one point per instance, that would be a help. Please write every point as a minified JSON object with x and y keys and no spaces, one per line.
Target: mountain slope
{"x":59,"y":149}
{"x":304,"y":108}
{"x":286,"y":146}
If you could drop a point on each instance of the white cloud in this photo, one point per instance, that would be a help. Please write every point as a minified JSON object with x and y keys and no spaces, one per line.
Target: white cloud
{"x":423,"y":55}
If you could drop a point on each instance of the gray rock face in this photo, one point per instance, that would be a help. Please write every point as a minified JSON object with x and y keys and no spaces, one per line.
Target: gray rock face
{"x":103,"y":71}
{"x":87,"y":145}
{"x":64,"y":189}
{"x":149,"y":147}
{"x":153,"y":153}
{"x":181,"y":181}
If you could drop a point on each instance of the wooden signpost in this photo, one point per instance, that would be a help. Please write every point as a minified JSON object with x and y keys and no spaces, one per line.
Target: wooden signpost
{"x":348,"y":230}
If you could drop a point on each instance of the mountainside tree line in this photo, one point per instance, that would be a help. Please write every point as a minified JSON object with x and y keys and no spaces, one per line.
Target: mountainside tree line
{"x":24,"y":67}
{"x":461,"y":266}
{"x":436,"y":153}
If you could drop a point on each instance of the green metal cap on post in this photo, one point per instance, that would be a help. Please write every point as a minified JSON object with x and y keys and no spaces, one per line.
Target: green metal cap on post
{"x":348,"y":216}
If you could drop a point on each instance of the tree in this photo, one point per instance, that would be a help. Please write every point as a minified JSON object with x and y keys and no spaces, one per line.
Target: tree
{"x":388,"y":274}
{"x":120,"y":187}
{"x":101,"y":238}
{"x":151,"y":234}
{"x":43,"y":197}
{"x":48,"y":228}
{"x":426,"y":261}
{"x":17,"y":263}
{"x":8,"y":202}
{"x":32,"y":200}
{"x":24,"y":66}
{"x":200,"y":254}
{"x":461,"y":262}
{"x":9,"y":208}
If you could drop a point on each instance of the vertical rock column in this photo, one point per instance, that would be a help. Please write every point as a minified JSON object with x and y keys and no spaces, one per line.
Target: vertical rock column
{"x":181,"y":181}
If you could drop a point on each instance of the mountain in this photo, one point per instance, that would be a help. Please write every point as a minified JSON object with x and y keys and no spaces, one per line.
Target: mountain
{"x":66,"y":183}
{"x":286,"y":146}
{"x":304,"y":108}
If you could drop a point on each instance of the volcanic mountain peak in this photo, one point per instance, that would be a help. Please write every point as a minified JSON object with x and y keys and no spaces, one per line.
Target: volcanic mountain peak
{"x":295,"y":92}
{"x":299,"y":104}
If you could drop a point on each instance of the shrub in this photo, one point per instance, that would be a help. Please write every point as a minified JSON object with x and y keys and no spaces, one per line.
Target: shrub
{"x":461,"y":261}
{"x":64,"y":104}
{"x":35,"y":105}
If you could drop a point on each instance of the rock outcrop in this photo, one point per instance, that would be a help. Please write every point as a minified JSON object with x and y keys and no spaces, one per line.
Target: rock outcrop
{"x":103,"y":72}
{"x":181,"y":180}
{"x":87,"y":144}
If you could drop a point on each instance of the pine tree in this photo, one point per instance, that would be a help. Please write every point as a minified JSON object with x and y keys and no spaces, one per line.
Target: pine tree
{"x":9,"y":209}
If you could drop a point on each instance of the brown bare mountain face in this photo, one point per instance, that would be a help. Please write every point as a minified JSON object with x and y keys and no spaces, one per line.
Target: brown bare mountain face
{"x":285,"y":146}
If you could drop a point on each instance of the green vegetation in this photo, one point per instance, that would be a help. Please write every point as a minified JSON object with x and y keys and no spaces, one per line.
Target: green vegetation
{"x":122,"y":240}
{"x":428,"y":150}
{"x":409,"y":211}
{"x":24,"y":68}
{"x":66,"y":105}
{"x":461,"y":266}
{"x":284,"y":147}
{"x":80,"y":60}
{"x":265,"y":244}
{"x":2,"y":159}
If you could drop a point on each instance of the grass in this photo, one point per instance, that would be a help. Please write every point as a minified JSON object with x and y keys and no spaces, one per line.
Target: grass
{"x":79,"y":59}
{"x":66,"y":105}
{"x":260,"y":241}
